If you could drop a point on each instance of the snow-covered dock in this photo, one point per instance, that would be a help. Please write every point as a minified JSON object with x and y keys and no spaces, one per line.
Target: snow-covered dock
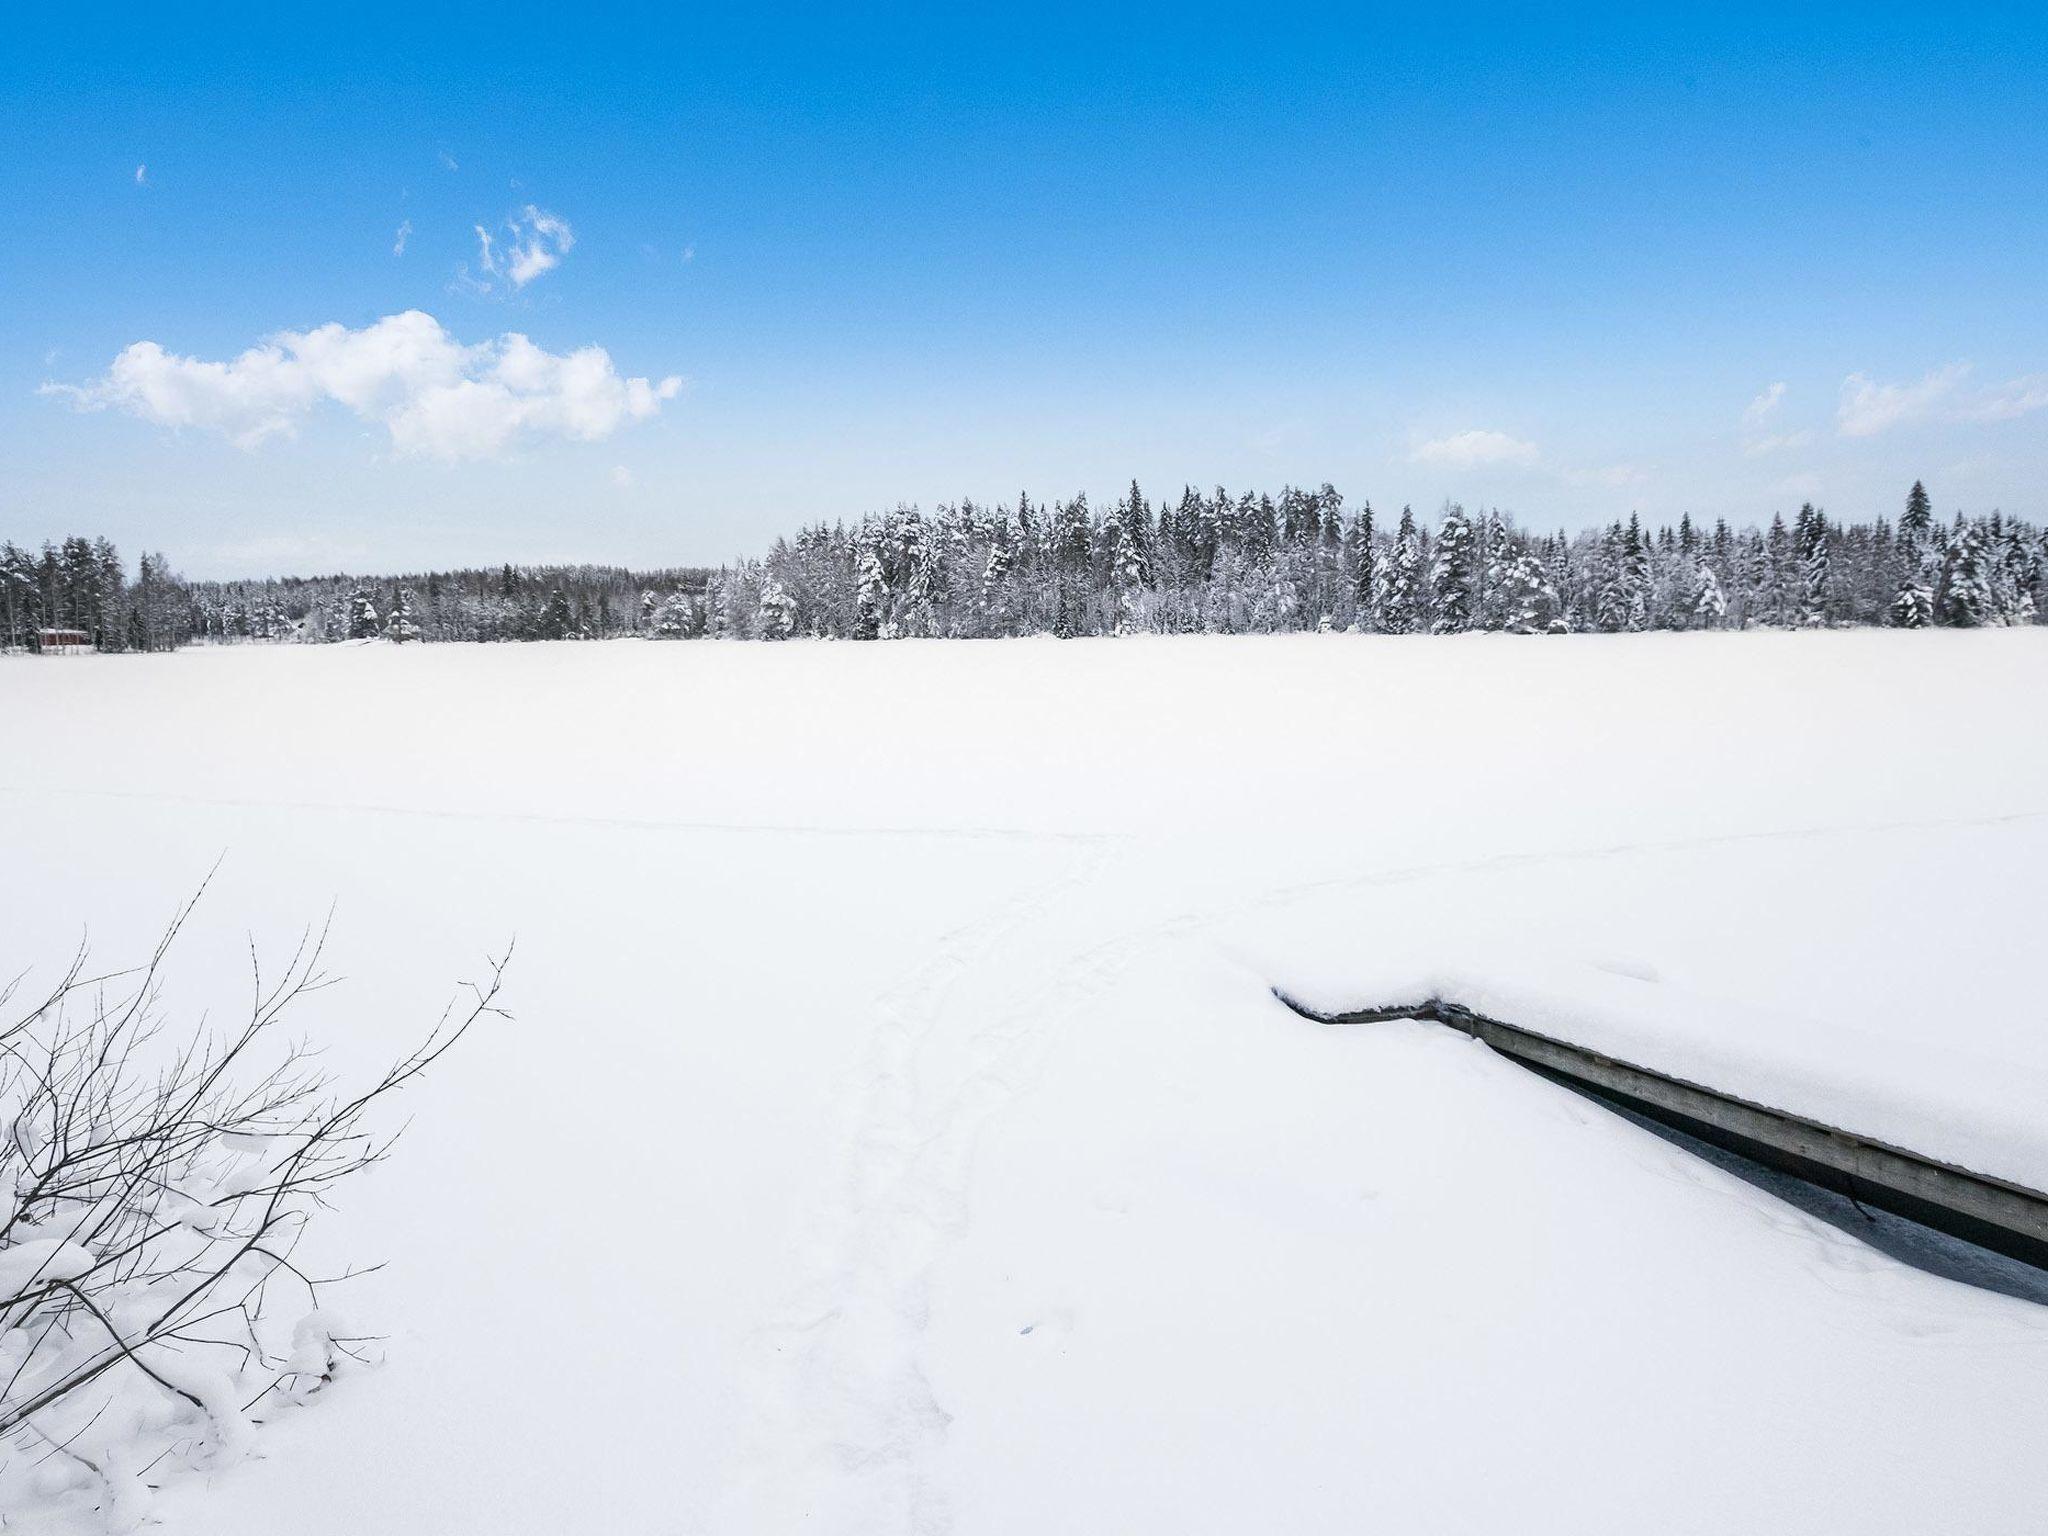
{"x":1996,"y":1213}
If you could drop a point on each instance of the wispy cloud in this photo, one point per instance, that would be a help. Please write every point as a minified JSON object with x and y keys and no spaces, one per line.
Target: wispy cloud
{"x":404,"y":234}
{"x":142,"y":175}
{"x":2016,"y":397}
{"x":534,"y":244}
{"x":539,"y":241}
{"x":1476,"y":447}
{"x":435,"y":396}
{"x":1764,"y":404}
{"x":1869,"y":407}
{"x":621,"y":478}
{"x":448,"y":161}
{"x":689,"y":254}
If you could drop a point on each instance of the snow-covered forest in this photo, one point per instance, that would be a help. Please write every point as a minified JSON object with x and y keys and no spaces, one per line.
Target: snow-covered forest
{"x":1200,"y":564}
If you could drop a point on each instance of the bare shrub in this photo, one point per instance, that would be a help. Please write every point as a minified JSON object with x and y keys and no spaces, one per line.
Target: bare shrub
{"x":156,"y":1186}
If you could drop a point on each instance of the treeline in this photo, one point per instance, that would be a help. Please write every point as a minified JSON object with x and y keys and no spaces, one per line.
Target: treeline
{"x":81,"y":584}
{"x":561,"y":602}
{"x":1223,"y":564}
{"x":1201,"y":564}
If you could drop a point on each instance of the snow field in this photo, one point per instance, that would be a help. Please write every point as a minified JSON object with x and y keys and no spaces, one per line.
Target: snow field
{"x":897,"y":1131}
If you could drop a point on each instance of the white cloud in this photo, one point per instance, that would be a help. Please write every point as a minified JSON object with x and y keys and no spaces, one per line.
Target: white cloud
{"x":539,"y":240}
{"x":621,"y":478}
{"x":1473,"y":448}
{"x":404,"y":234}
{"x":142,"y":175}
{"x":1758,"y":447}
{"x":1868,"y":407}
{"x":435,"y":396}
{"x":1764,"y":403}
{"x":448,"y":161}
{"x":485,"y":258}
{"x":689,"y":254}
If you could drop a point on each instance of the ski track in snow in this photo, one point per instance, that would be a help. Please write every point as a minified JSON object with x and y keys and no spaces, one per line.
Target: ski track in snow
{"x":845,"y":1432}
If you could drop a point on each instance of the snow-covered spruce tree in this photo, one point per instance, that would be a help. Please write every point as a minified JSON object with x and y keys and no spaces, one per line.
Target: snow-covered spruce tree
{"x":1497,"y":551}
{"x":1966,"y":600}
{"x":674,"y":617}
{"x":1362,"y":564}
{"x":777,"y":611}
{"x":1451,"y":595}
{"x":913,"y":568}
{"x":871,"y":599}
{"x":1912,"y":600}
{"x":1332,"y":591}
{"x":1635,"y":566}
{"x":1073,"y":538}
{"x":399,"y":625}
{"x":360,"y":621}
{"x":2013,"y":573}
{"x":1401,"y":602}
{"x":1126,"y":576}
{"x":718,"y":606}
{"x":1709,"y":607}
{"x":555,"y":621}
{"x":1610,"y":584}
{"x":995,"y":595}
{"x":1527,"y":602}
{"x":1810,"y":537}
{"x":155,"y":1303}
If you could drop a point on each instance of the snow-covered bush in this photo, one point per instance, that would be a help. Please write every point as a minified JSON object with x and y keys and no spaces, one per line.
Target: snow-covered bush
{"x":155,"y":1185}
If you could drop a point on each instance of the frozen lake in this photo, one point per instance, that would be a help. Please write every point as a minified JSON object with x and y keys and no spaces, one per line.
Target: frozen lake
{"x":897,"y":1131}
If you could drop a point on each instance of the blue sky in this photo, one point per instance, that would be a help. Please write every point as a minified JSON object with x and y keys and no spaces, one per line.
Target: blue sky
{"x":1572,"y":263}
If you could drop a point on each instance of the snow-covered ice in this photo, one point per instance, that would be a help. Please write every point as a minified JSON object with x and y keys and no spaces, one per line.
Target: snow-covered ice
{"x":897,"y":1131}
